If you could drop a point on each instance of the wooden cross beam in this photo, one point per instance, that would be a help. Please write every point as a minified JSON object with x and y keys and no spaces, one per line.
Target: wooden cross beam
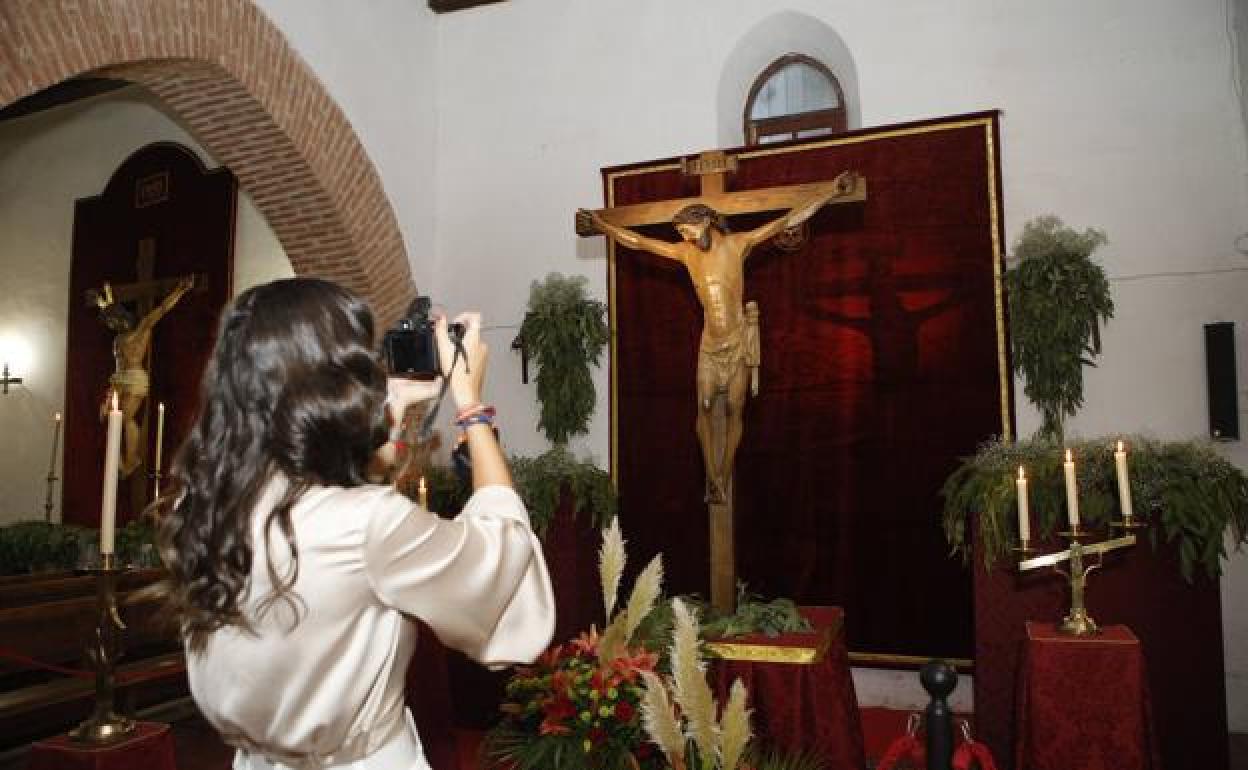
{"x":712,"y":168}
{"x":145,"y":292}
{"x":146,"y":289}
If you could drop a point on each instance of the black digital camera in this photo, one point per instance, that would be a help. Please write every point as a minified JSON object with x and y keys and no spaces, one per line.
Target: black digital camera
{"x":410,"y":349}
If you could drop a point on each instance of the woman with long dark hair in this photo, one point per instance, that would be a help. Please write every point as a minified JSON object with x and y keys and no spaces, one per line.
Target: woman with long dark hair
{"x":293,"y":577}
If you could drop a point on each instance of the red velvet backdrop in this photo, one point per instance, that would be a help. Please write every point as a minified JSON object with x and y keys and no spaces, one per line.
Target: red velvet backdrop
{"x":193,"y":228}
{"x":881,"y":365}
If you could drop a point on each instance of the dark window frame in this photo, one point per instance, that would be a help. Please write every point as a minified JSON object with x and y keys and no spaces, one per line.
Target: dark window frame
{"x":834,"y":119}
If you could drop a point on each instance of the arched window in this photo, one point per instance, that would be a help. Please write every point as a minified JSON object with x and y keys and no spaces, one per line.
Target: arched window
{"x":794,"y":98}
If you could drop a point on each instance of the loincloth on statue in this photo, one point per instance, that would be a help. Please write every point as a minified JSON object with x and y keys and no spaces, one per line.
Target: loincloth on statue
{"x":134,"y":382}
{"x":723,"y":362}
{"x":727,"y":359}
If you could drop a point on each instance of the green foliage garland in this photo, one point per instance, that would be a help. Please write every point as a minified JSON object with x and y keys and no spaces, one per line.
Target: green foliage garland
{"x":1184,"y":489}
{"x":35,"y":546}
{"x":1058,"y":299}
{"x":564,"y":332}
{"x":753,"y":615}
{"x":540,"y":480}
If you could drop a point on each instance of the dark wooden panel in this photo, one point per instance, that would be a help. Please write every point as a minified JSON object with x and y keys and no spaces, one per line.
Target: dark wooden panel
{"x":190,"y":221}
{"x":61,"y":93}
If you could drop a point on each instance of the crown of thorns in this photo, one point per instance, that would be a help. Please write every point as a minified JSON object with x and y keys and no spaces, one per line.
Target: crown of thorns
{"x":700,"y":212}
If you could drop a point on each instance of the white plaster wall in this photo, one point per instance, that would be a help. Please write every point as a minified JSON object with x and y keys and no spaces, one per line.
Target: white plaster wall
{"x":377,"y":60}
{"x":1239,"y":25}
{"x":47,"y":161}
{"x":900,"y":690}
{"x":1121,"y":115}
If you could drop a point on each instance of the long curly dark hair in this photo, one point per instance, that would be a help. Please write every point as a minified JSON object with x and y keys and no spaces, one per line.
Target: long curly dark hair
{"x":294,"y":387}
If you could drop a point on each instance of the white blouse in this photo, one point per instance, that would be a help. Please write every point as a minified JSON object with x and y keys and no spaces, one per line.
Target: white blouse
{"x":329,"y":689}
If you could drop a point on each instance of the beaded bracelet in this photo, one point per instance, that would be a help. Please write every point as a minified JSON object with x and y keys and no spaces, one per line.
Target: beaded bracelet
{"x":480,"y":418}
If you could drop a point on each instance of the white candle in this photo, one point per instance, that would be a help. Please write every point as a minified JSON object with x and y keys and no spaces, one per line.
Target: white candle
{"x":1024,"y":519}
{"x":56,"y":442}
{"x":424,"y":494}
{"x":160,"y":433}
{"x":1124,"y":481}
{"x":112,"y":459}
{"x":1072,"y":492}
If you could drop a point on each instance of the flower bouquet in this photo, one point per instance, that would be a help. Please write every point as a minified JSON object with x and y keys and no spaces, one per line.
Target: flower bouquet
{"x":579,"y":705}
{"x":605,"y":702}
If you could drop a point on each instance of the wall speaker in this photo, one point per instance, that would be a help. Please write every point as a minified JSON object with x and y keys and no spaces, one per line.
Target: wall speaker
{"x":1223,"y":389}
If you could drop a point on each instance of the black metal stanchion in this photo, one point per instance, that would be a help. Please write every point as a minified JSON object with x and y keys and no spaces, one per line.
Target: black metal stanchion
{"x":939,"y":679}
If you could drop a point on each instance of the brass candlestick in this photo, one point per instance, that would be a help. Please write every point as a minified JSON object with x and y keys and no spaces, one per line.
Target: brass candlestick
{"x":1078,"y":622}
{"x":103,"y":650}
{"x":156,"y":476}
{"x":48,"y":505}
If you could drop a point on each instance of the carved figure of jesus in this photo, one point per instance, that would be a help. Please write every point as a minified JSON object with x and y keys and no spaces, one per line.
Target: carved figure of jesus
{"x":728,"y":354}
{"x":130,"y":378}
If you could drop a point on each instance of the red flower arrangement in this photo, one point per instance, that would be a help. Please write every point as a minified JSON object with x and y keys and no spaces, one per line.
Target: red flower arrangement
{"x":579,"y":704}
{"x":573,"y":709}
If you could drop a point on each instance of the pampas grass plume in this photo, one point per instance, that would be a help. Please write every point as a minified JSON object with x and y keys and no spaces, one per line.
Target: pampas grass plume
{"x":645,"y":594}
{"x":660,"y":720}
{"x":734,"y":728}
{"x":693,"y":694}
{"x":611,"y":560}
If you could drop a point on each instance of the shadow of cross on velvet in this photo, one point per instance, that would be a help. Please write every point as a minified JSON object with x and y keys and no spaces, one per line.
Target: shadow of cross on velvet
{"x":891,"y":324}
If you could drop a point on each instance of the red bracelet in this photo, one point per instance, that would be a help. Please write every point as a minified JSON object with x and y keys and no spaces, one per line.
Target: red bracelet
{"x":475,"y":409}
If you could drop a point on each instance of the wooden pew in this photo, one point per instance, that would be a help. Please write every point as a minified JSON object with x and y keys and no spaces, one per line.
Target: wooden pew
{"x":48,"y":619}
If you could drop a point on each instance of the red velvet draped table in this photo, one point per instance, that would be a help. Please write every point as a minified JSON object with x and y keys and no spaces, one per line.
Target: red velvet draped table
{"x":800,"y":688}
{"x":150,"y":748}
{"x":1083,"y":702}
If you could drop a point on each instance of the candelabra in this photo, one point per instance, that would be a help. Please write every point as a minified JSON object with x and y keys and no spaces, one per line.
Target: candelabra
{"x":104,"y":649}
{"x":1077,"y":621}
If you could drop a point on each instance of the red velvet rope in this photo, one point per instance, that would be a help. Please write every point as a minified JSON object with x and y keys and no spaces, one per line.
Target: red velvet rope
{"x":972,"y":752}
{"x":121,"y":677}
{"x":968,"y":756}
{"x":905,"y":747}
{"x":13,"y":655}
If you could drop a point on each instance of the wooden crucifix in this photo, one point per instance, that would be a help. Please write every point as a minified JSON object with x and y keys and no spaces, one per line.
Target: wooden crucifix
{"x":728,"y":354}
{"x":132,"y":350}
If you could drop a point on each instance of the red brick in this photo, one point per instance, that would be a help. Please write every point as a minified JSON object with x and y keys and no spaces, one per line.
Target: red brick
{"x":250,"y":100}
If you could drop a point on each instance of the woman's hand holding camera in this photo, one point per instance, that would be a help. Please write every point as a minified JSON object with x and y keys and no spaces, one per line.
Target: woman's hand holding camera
{"x":466,"y":377}
{"x":462,"y":360}
{"x":402,"y":394}
{"x":466,"y":371}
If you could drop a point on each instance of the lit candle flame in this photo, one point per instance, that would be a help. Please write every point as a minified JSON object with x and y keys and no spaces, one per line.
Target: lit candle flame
{"x":1021,"y":476}
{"x":116,"y":401}
{"x":57,"y":417}
{"x":1069,"y":459}
{"x":1120,"y":446}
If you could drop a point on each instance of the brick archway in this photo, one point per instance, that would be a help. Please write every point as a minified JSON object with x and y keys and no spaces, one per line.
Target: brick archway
{"x":228,"y":72}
